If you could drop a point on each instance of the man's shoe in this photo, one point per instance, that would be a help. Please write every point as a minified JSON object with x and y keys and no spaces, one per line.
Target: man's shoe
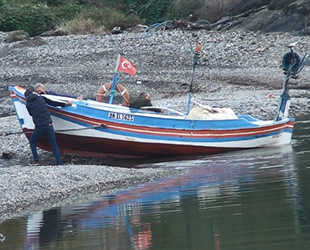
{"x":34,"y":163}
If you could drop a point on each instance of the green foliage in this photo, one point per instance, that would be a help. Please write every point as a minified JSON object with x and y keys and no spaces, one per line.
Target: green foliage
{"x":194,"y":10}
{"x":67,"y":11}
{"x":185,"y":8}
{"x":151,"y":11}
{"x":50,"y":2}
{"x":110,"y":18}
{"x":37,"y":16}
{"x":34,"y":19}
{"x":82,"y":25}
{"x":8,"y":22}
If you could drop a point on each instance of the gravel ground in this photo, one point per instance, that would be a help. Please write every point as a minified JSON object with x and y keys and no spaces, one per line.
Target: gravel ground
{"x":23,"y":187}
{"x":241,"y":66}
{"x":237,"y":70}
{"x":26,"y":188}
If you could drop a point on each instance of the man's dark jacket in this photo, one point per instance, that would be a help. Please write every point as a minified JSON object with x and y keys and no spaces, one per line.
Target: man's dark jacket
{"x":37,"y":108}
{"x":140,"y":102}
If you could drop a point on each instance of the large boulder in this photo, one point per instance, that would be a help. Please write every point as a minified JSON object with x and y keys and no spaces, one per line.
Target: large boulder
{"x":287,"y":23}
{"x":303,"y":32}
{"x":258,"y":22}
{"x":139,"y":28}
{"x":57,"y":32}
{"x":279,"y":4}
{"x":280,"y":16}
{"x":17,"y":35}
{"x":245,"y":5}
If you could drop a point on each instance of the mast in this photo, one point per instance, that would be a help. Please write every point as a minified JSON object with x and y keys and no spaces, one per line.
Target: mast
{"x":115,"y":79}
{"x":293,"y":65}
{"x":196,"y":60}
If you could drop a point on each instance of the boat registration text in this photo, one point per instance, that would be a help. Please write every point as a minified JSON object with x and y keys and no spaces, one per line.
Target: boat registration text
{"x":118,"y":116}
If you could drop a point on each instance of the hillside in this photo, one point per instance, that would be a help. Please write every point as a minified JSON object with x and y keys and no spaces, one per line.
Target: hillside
{"x":277,"y":16}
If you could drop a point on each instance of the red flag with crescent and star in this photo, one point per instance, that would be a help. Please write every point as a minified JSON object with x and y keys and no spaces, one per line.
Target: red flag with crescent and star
{"x":126,"y":66}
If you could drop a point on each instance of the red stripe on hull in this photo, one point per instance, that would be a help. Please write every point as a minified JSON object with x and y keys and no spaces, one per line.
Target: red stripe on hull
{"x":98,"y":147}
{"x":148,"y":130}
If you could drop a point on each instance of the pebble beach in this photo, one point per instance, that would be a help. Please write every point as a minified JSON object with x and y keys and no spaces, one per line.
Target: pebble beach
{"x":24,"y":188}
{"x":237,"y":70}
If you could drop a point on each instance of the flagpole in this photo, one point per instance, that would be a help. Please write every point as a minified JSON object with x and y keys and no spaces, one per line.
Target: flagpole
{"x":115,"y":79}
{"x":196,"y":59}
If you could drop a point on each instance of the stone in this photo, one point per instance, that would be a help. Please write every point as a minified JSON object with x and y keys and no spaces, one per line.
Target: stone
{"x":17,"y":35}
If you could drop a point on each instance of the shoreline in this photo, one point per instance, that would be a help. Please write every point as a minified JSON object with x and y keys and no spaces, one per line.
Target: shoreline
{"x":237,"y":70}
{"x":31,"y":188}
{"x":24,"y":188}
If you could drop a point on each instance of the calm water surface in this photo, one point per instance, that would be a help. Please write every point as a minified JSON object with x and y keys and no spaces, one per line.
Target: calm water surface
{"x":256,"y":199}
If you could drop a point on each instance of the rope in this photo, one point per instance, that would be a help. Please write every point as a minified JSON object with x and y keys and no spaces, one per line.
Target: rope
{"x":203,"y":22}
{"x":104,"y":88}
{"x":60,"y":130}
{"x":119,"y":90}
{"x":303,"y":63}
{"x":12,"y":133}
{"x":284,"y":96}
{"x":157,"y":27}
{"x":290,"y":70}
{"x":122,"y":93}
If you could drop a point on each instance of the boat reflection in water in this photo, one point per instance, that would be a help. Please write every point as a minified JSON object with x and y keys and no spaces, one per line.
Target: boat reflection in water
{"x":217,"y":203}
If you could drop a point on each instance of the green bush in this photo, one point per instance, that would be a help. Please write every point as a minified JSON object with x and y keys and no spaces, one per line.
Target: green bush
{"x":34,"y":19}
{"x":9,"y":19}
{"x":82,"y":25}
{"x":67,"y":11}
{"x":110,"y":18}
{"x":37,"y":16}
{"x":37,"y":19}
{"x":194,"y":10}
{"x":152,"y":11}
{"x":51,"y":2}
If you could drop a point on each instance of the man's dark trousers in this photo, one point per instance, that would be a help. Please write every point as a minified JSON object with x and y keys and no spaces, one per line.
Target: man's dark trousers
{"x":47,"y":130}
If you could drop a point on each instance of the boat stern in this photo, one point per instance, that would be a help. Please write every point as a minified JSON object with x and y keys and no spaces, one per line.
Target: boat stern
{"x":19,"y":104}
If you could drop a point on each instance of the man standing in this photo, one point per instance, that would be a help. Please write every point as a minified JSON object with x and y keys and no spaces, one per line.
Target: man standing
{"x":37,"y":108}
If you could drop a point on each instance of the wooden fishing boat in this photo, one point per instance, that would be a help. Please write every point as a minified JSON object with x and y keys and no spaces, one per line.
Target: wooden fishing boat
{"x":97,"y":129}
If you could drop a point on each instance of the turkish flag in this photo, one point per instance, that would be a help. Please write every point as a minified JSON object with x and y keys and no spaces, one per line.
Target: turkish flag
{"x":126,"y":66}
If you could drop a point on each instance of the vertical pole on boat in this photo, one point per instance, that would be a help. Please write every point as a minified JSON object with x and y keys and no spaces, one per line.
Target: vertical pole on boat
{"x":284,"y":103}
{"x":196,"y":60}
{"x":115,"y":79}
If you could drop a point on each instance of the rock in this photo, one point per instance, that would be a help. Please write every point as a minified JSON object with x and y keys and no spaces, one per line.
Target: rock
{"x":303,"y":32}
{"x":57,"y":32}
{"x":2,"y":237}
{"x":287,"y":23}
{"x":279,"y":4}
{"x":116,"y":30}
{"x":7,"y":155}
{"x":32,"y":42}
{"x":259,"y":21}
{"x":17,"y":35}
{"x":280,"y":16}
{"x":139,"y":28}
{"x":246,"y":5}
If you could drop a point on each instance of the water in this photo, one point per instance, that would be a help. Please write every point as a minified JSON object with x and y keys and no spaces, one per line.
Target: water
{"x":255,"y":199}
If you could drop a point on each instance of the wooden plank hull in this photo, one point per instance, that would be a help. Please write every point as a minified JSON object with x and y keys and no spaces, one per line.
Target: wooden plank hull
{"x":96,"y":129}
{"x":100,"y":147}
